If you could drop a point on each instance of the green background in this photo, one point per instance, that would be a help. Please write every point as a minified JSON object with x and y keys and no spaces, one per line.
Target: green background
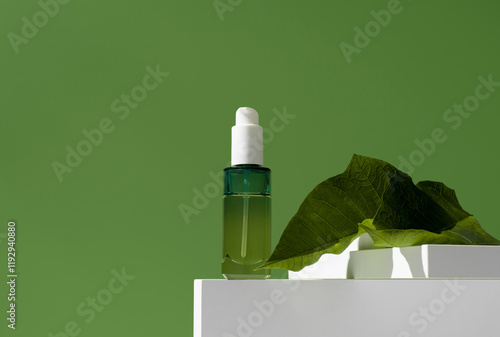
{"x":119,"y":208}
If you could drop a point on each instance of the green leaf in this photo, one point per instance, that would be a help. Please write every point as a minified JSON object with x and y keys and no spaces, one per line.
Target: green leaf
{"x":373,"y":196}
{"x":406,"y":206}
{"x":444,"y":196}
{"x":327,"y":221}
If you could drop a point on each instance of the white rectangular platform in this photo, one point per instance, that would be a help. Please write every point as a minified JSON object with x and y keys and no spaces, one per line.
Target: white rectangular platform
{"x":426,"y":261}
{"x":318,"y":308}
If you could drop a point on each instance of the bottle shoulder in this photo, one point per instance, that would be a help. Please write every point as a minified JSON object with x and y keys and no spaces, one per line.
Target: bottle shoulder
{"x":247,"y":167}
{"x":247,"y":179}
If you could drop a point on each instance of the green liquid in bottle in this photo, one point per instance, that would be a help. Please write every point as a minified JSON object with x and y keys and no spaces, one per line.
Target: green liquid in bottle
{"x":247,"y":223}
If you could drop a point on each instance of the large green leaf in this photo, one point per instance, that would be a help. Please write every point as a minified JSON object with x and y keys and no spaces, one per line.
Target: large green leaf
{"x":373,"y":196}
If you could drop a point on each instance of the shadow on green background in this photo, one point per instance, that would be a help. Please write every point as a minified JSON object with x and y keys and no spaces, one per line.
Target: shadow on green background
{"x":101,"y":238}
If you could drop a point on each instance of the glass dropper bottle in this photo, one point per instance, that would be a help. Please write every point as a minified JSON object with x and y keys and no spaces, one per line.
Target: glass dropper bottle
{"x":247,"y":202}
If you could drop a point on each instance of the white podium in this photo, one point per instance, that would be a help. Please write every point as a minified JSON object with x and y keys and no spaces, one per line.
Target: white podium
{"x":342,"y":308}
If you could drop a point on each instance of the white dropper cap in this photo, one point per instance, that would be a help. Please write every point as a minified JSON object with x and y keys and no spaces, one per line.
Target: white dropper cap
{"x":246,"y":138}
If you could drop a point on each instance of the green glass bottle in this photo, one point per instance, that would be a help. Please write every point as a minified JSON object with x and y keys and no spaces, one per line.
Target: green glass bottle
{"x":247,"y":203}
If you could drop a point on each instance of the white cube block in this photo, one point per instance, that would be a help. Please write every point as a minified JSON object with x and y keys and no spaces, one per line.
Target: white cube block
{"x":426,"y":261}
